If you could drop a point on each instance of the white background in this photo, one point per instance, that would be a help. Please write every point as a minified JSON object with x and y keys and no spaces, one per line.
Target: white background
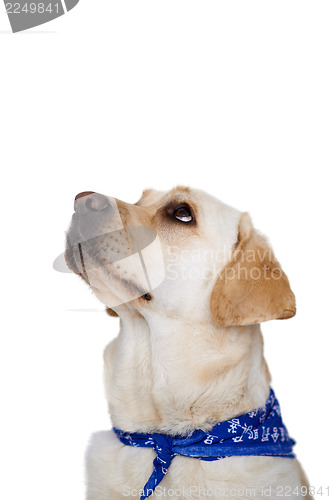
{"x":115,"y":96}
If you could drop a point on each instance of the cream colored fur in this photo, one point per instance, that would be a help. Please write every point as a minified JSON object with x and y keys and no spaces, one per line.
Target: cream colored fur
{"x":172,"y":368}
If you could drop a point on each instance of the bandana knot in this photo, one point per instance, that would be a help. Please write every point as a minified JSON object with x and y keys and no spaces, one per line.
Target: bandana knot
{"x":260,"y":432}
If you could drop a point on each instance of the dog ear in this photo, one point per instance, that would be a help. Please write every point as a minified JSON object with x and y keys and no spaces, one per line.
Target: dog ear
{"x":252,"y":287}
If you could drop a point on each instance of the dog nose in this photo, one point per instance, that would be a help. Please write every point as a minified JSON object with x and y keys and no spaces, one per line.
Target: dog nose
{"x":84,"y":193}
{"x":91,"y":200}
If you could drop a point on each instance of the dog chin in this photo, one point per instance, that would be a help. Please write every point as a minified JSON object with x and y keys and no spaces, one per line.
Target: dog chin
{"x":105,"y":275}
{"x":122,"y":287}
{"x":112,"y":288}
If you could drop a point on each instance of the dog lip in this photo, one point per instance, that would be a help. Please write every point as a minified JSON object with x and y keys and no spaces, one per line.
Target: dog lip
{"x":70,"y":260}
{"x":71,"y":264}
{"x":287,"y":313}
{"x":131,"y":285}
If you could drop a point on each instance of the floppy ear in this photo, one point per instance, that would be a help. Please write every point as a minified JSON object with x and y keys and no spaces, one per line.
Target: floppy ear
{"x":252,"y":287}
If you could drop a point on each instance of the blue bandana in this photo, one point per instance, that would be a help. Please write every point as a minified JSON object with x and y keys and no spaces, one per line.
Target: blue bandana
{"x":259,"y":432}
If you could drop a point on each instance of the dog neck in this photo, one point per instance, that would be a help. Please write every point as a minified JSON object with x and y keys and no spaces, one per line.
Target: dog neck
{"x":174,"y":376}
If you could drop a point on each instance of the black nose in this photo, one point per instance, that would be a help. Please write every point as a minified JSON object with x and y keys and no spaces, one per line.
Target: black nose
{"x":91,"y":200}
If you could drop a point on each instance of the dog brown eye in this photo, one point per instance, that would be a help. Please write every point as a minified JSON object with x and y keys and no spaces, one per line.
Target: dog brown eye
{"x":183,"y":214}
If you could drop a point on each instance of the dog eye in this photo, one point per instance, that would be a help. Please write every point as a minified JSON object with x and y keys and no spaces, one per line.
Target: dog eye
{"x":183,"y":214}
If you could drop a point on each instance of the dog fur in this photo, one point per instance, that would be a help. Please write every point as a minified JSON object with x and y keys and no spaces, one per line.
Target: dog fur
{"x":191,"y":356}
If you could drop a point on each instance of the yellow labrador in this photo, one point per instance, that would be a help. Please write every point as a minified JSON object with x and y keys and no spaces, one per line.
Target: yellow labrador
{"x":190,"y":280}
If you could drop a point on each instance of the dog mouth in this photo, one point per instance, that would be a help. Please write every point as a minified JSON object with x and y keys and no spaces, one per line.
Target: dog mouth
{"x":110,"y":256}
{"x":73,"y":254}
{"x":106,"y":251}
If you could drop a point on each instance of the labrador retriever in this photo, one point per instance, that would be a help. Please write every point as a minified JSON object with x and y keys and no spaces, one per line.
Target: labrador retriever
{"x":191,"y":280}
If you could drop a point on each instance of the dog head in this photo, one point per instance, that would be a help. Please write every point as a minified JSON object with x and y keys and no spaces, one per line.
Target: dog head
{"x":180,"y":253}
